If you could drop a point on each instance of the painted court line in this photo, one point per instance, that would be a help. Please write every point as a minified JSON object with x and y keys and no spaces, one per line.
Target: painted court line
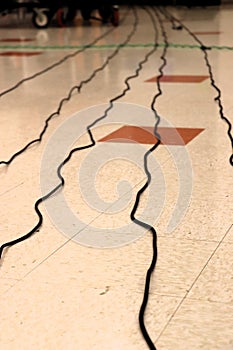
{"x":108,"y":46}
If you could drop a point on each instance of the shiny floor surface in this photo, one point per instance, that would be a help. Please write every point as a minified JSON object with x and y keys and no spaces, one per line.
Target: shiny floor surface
{"x":78,"y":281}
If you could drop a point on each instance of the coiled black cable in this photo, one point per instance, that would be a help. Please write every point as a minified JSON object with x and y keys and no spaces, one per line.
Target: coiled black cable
{"x":145,"y":186}
{"x":66,"y":99}
{"x":62,"y":60}
{"x":205,"y":48}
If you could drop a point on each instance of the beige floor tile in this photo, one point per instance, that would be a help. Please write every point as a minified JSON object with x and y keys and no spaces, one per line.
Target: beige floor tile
{"x":71,"y":315}
{"x":215,"y":282}
{"x":229,"y":236}
{"x":56,"y":293}
{"x":127,"y":265}
{"x":6,"y":284}
{"x":23,"y":257}
{"x":201,"y":325}
{"x":196,"y":224}
{"x":179,"y":262}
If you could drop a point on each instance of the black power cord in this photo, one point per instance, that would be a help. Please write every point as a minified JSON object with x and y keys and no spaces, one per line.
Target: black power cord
{"x":145,"y":186}
{"x":59,"y":169}
{"x":92,"y":143}
{"x":67,"y":98}
{"x":205,"y":48}
{"x":141,"y":191}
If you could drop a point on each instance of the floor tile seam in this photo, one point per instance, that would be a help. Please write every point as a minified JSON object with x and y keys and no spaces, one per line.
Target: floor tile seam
{"x":20,"y":279}
{"x":192,"y":285}
{"x":210,"y":301}
{"x":12,"y":188}
{"x":10,"y":287}
{"x":185,"y":239}
{"x":162,"y":236}
{"x":71,"y":238}
{"x":5,"y":279}
{"x":227,"y":243}
{"x":181,"y":296}
{"x":169,"y":295}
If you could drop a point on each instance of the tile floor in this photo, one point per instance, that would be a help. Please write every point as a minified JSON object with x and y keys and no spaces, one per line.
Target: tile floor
{"x":78,"y":282}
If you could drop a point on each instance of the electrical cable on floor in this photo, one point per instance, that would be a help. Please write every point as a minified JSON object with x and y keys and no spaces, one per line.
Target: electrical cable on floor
{"x":143,"y":189}
{"x":205,"y":48}
{"x":61,"y":184}
{"x":67,"y":159}
{"x":68,"y":97}
{"x":62,"y":60}
{"x":148,"y":153}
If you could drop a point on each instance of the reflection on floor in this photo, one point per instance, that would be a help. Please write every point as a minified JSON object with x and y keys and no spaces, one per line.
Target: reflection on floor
{"x":78,"y":282}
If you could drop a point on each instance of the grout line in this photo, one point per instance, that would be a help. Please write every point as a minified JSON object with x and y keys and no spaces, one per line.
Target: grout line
{"x":191,"y":239}
{"x":89,"y":223}
{"x":212,"y":301}
{"x":192,"y":285}
{"x":77,"y":233}
{"x":11,"y":189}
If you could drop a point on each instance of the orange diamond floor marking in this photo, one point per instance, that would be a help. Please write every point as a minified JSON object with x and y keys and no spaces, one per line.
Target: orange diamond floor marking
{"x":206,"y":33}
{"x":15,"y":40}
{"x":145,"y":135}
{"x":19,"y":53}
{"x":179,"y":79}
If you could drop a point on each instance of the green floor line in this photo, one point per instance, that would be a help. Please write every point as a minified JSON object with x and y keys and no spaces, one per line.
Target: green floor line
{"x":106,"y":46}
